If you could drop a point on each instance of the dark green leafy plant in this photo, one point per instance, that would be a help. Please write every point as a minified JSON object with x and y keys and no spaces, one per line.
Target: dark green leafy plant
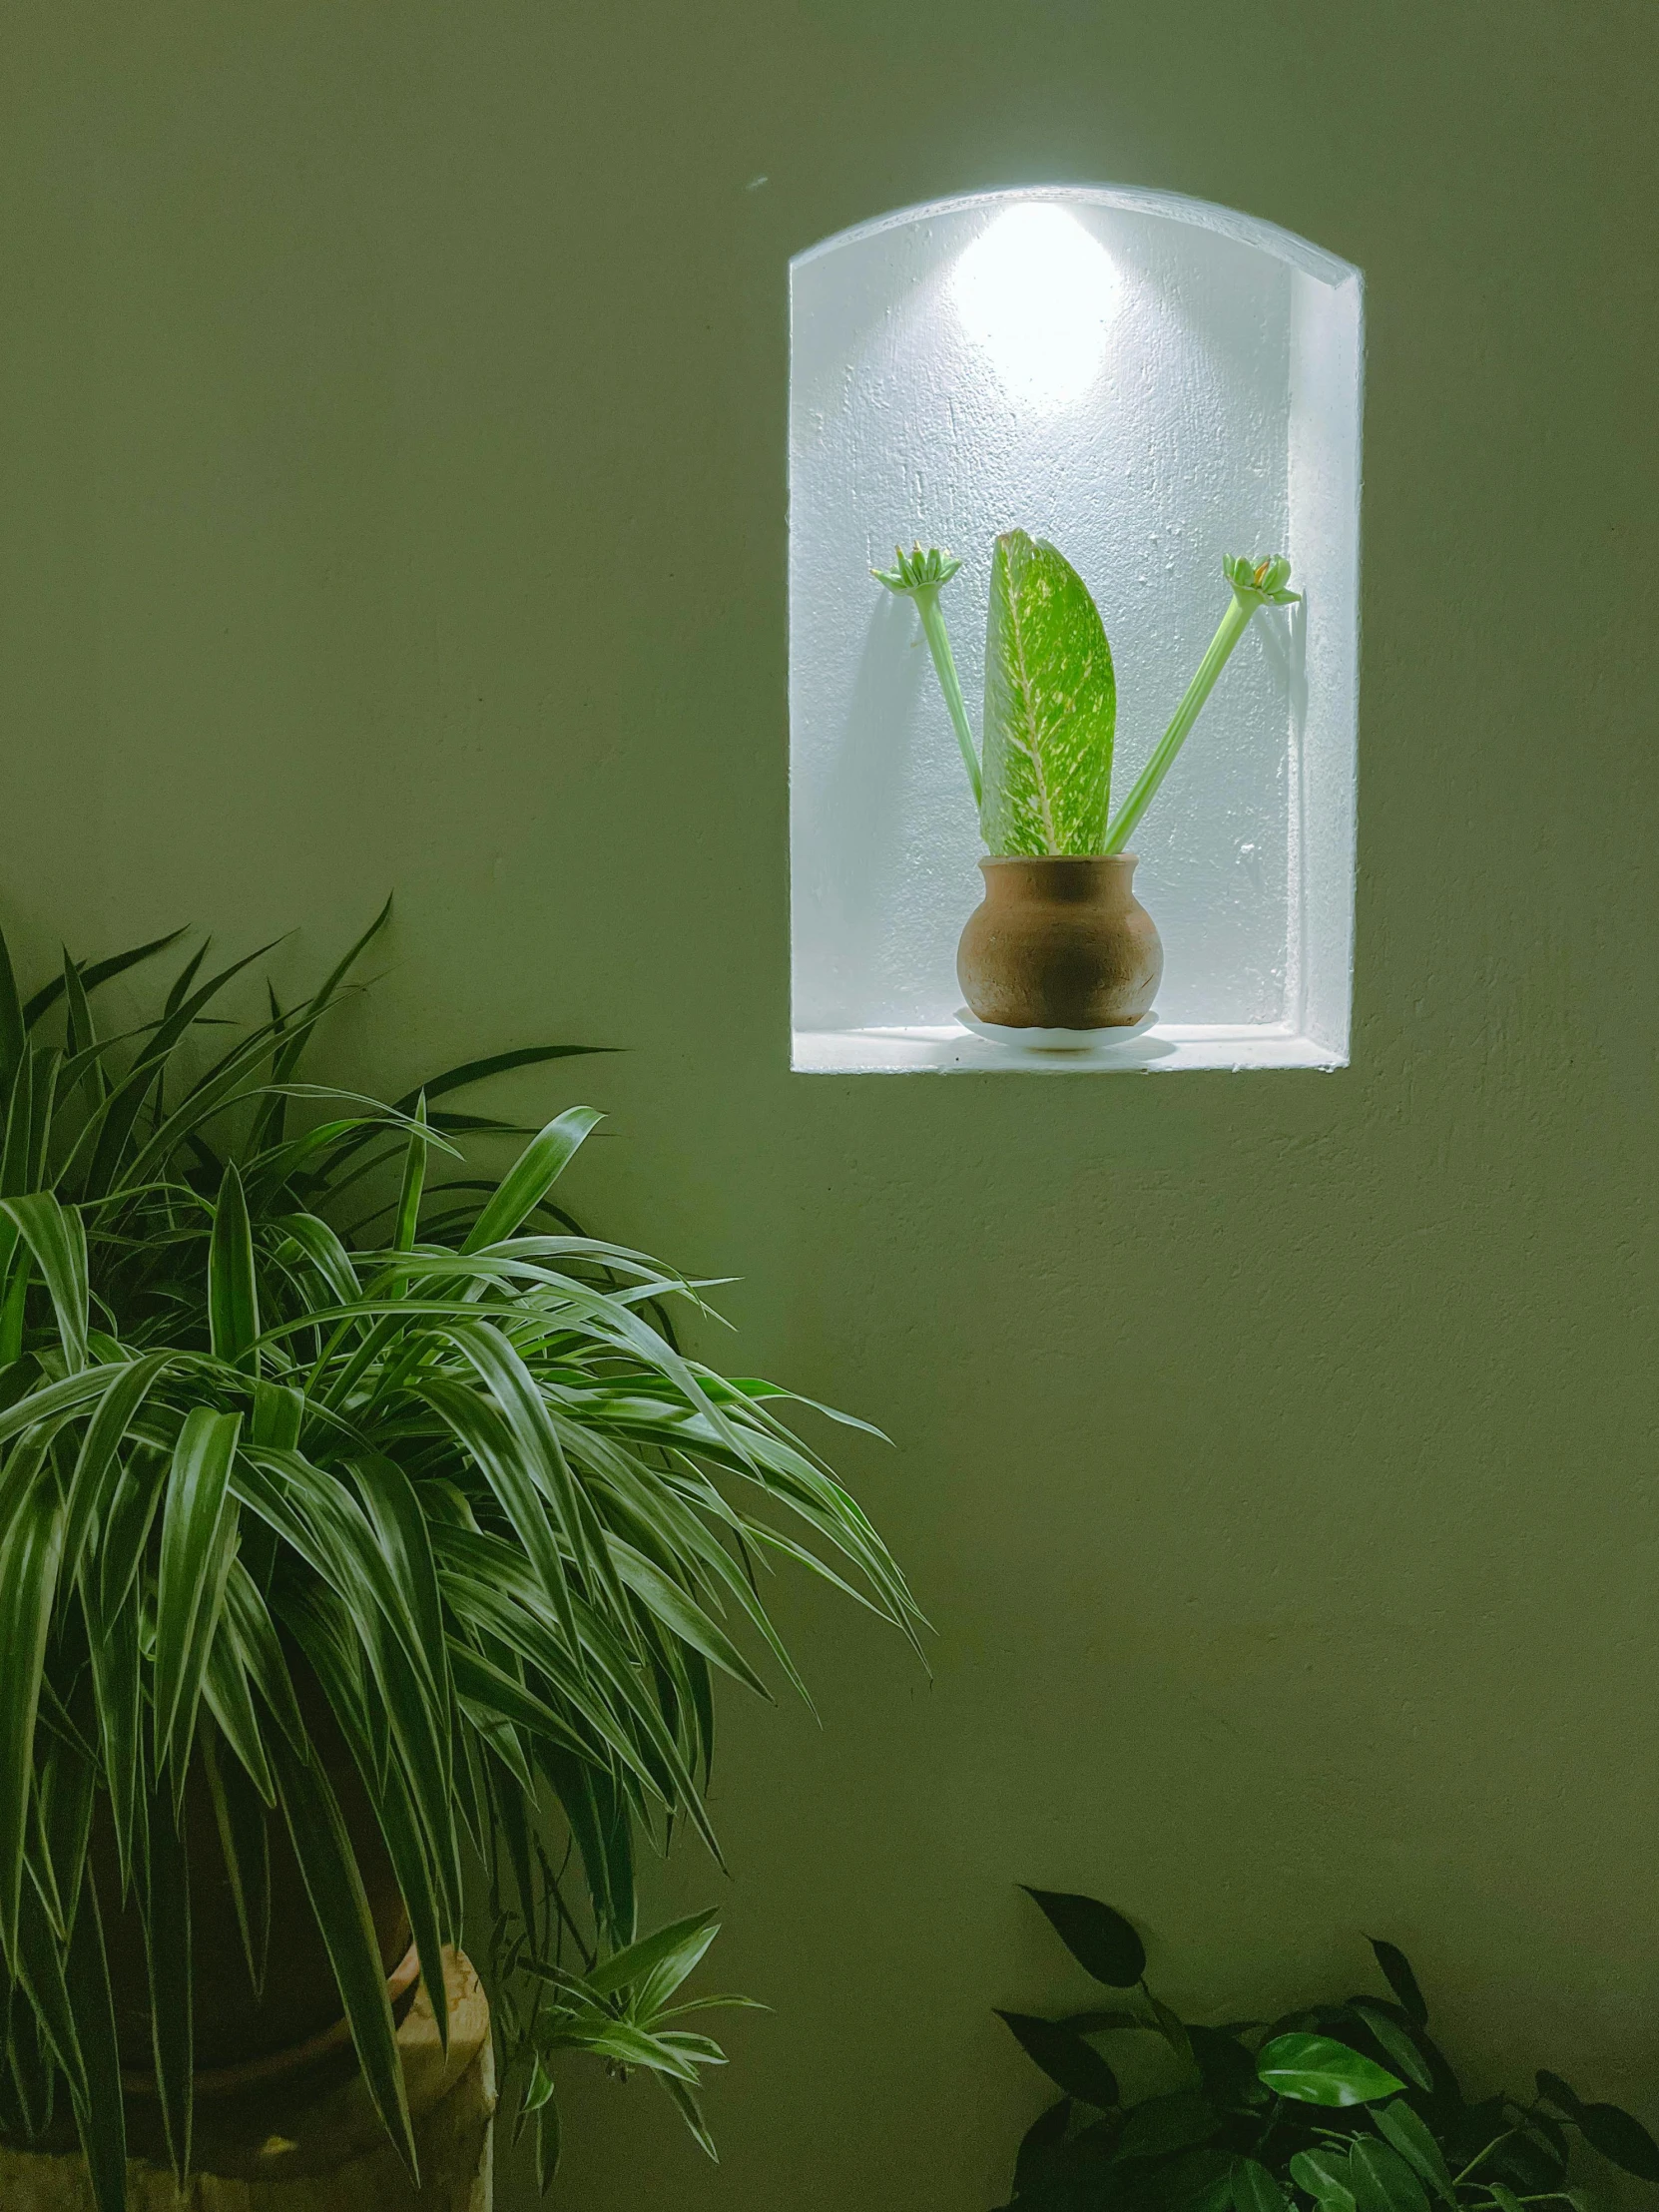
{"x":1345,"y":2107}
{"x":274,"y":1394}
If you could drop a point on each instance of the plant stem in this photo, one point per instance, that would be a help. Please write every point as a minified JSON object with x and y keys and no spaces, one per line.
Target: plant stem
{"x":1233,"y":625}
{"x":926,"y":596}
{"x":1480,"y":2157}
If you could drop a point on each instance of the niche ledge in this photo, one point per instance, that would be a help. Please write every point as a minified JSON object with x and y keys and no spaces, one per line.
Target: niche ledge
{"x":1168,"y":1048}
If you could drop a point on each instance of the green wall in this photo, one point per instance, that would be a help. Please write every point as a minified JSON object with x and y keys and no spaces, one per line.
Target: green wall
{"x":391,"y":433}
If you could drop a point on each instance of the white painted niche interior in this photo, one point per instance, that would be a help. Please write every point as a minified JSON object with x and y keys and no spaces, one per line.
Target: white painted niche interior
{"x":1152,"y":384}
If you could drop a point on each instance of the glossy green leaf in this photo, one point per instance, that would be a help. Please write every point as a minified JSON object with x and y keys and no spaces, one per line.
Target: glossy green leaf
{"x":1382,"y":2180}
{"x":1254,"y":2189}
{"x":1398,"y":2045}
{"x":1411,"y":2137}
{"x":1327,"y":2177}
{"x":1100,"y":1940}
{"x":1315,"y":2069}
{"x":1159,"y":2125}
{"x":1050,"y":706}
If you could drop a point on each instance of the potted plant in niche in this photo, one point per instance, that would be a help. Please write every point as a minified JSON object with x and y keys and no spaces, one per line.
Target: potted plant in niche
{"x":1333,"y":2107}
{"x":1060,"y":949}
{"x":356,"y":1521}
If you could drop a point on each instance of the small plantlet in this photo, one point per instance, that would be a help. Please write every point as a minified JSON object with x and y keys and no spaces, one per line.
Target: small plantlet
{"x":1044,"y":787}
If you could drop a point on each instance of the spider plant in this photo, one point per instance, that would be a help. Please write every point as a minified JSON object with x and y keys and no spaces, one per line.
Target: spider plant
{"x":282,"y":1389}
{"x":1044,"y":787}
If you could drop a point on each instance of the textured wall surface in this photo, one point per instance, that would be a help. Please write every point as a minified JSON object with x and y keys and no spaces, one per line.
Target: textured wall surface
{"x":392,"y":493}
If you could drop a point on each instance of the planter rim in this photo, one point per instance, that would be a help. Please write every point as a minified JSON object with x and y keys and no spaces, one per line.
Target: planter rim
{"x":1058,"y":859}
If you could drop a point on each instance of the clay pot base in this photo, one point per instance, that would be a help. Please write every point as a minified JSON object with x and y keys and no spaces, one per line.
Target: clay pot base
{"x":1056,"y":1040}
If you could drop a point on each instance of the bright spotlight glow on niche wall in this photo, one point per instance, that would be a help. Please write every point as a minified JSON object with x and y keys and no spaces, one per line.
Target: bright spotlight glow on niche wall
{"x":1037,"y":293}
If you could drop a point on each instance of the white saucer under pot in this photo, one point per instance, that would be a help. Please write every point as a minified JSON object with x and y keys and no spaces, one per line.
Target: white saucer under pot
{"x":1056,"y":1040}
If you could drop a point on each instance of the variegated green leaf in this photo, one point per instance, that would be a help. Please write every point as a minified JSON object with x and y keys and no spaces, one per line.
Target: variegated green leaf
{"x":1050,"y":706}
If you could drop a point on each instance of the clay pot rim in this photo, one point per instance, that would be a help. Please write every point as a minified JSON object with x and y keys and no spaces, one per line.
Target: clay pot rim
{"x":1058,"y":859}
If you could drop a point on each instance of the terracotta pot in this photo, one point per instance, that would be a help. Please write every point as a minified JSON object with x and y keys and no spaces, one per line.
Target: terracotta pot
{"x":1060,"y":944}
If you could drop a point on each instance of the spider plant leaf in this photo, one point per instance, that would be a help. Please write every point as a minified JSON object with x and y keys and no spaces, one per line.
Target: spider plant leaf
{"x":530,"y":1178}
{"x":402,"y":1826}
{"x":45,"y":1062}
{"x":414,"y":1181}
{"x":335,"y":1889}
{"x":325,"y":1251}
{"x":482,"y":1428}
{"x":40,"y":1405}
{"x":117,"y":1681}
{"x":13,"y":1029}
{"x":112,"y":1127}
{"x":655,"y":1967}
{"x":279,"y":1415}
{"x":251,"y":1629}
{"x":101,"y":2120}
{"x":677,"y":1612}
{"x":498,"y":1063}
{"x":101,"y":972}
{"x":65,"y":1790}
{"x":429,"y":1915}
{"x":123,"y":1537}
{"x":18,"y":1149}
{"x":31,"y":1550}
{"x":1050,"y":706}
{"x":198,"y":1544}
{"x":487,"y":1688}
{"x":57,"y":1238}
{"x":39,"y":1953}
{"x":98,"y":1469}
{"x":79,"y":1031}
{"x":245,"y":1845}
{"x":230,"y":1698}
{"x":166,"y":1942}
{"x":233,"y":1288}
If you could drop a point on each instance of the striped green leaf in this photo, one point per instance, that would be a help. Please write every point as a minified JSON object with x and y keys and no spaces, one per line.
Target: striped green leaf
{"x":197,"y":1545}
{"x":1050,"y":706}
{"x":233,"y":1290}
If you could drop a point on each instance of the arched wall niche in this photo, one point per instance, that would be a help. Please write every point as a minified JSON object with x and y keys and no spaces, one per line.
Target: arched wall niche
{"x":1153,"y":384}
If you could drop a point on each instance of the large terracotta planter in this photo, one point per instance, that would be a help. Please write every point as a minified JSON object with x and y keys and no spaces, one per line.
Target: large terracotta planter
{"x":1060,"y":944}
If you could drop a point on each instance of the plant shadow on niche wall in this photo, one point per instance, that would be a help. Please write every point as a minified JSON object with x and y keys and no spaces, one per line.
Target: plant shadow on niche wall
{"x":361,"y":1518}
